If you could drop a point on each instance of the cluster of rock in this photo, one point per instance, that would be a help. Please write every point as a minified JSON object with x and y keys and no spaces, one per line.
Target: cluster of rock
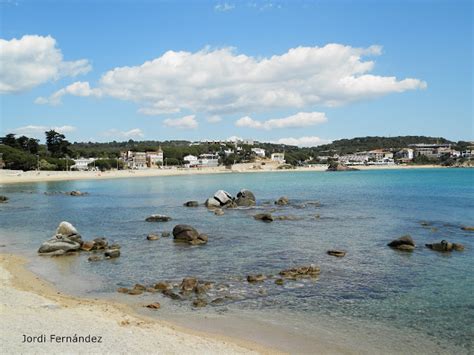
{"x":3,"y":199}
{"x":220,"y":199}
{"x":184,"y":233}
{"x":67,"y":240}
{"x":308,"y":271}
{"x":406,"y":243}
{"x":158,"y":218}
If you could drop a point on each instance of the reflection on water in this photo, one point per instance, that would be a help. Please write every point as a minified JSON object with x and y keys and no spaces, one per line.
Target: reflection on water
{"x":360,"y":212}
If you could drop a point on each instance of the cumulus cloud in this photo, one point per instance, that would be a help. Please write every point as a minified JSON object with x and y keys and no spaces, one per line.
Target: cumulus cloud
{"x":221,"y":81}
{"x":34,"y":60}
{"x":38,"y":131}
{"x":79,"y":88}
{"x":133,"y":133}
{"x":301,"y":119}
{"x":186,"y":122}
{"x":303,"y":141}
{"x":214,"y":119}
{"x":224,"y":7}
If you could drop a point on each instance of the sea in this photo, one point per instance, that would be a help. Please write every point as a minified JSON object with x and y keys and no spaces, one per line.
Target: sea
{"x":373,"y":300}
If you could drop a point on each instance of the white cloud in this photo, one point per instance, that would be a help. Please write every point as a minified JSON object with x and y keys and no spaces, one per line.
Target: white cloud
{"x":220,"y":81}
{"x":79,"y":88}
{"x":224,"y":7}
{"x":133,"y":133}
{"x":34,"y":60}
{"x":38,"y":131}
{"x":186,"y":122}
{"x":303,"y":141}
{"x":301,"y":119}
{"x":214,"y":119}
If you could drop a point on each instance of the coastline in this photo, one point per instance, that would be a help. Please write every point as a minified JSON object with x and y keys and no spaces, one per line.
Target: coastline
{"x":15,"y":177}
{"x":32,"y":306}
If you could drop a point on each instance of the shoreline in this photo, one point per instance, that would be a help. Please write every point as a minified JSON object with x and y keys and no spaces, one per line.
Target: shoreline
{"x":27,"y":300}
{"x":17,"y":177}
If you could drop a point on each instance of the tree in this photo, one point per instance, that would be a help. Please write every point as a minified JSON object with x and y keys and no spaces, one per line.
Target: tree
{"x":57,"y":145}
{"x":9,"y":140}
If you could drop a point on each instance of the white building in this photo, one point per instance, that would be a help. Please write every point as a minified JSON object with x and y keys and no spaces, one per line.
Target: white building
{"x":190,"y":161}
{"x":228,"y":151}
{"x":82,"y":163}
{"x":278,"y":157}
{"x":208,"y":160}
{"x":259,"y":152}
{"x":154,"y":159}
{"x":360,"y":158}
{"x":134,"y":160}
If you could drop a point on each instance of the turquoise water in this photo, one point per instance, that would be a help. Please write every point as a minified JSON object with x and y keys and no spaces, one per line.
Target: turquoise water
{"x":423,"y":292}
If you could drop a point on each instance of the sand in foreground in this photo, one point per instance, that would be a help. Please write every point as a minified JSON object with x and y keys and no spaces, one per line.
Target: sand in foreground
{"x":32,"y":307}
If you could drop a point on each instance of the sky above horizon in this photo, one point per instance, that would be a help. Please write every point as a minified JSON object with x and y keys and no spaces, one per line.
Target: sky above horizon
{"x":295,"y":72}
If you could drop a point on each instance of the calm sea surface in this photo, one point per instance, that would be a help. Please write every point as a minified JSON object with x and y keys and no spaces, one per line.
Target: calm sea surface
{"x":378,"y":294}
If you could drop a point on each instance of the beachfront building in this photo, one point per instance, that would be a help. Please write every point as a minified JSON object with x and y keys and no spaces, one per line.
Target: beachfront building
{"x":259,"y":152}
{"x":134,"y":160}
{"x":404,"y":155}
{"x":379,"y":155}
{"x":154,"y":159}
{"x":82,"y":163}
{"x":208,"y":160}
{"x":360,"y":158}
{"x":190,"y":161}
{"x":278,"y":157}
{"x":432,"y":151}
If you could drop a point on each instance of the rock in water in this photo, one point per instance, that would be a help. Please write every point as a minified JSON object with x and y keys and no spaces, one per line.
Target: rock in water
{"x":189,"y":283}
{"x":468,"y":228}
{"x":66,"y":229}
{"x":405,"y":243}
{"x":100,"y":243}
{"x":199,"y":303}
{"x":152,"y":237}
{"x":223,"y":197}
{"x":219,"y":212}
{"x":256,"y":278}
{"x":158,"y":218}
{"x":444,"y":245}
{"x":282,"y":201}
{"x":165,"y":234}
{"x":59,"y":242}
{"x":245,"y":198}
{"x":266,"y":217}
{"x":212,"y":203}
{"x":3,"y":199}
{"x":337,"y":253}
{"x":187,"y":234}
{"x":191,"y":204}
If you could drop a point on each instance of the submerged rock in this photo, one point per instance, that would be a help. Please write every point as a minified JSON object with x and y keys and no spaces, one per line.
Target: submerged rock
{"x":162,"y":285}
{"x":266,"y":217}
{"x":171,"y":294}
{"x":337,"y":253}
{"x":112,"y":253}
{"x":88,"y":246}
{"x":256,"y":278}
{"x":444,"y":245}
{"x":152,"y":237}
{"x":188,"y":283}
{"x":404,"y":243}
{"x":191,"y":204}
{"x":468,"y":228}
{"x":77,"y":193}
{"x":3,"y":199}
{"x":301,"y":272}
{"x":100,"y":243}
{"x":158,"y":218}
{"x":165,"y":234}
{"x":279,"y":282}
{"x":287,"y":218}
{"x":282,"y":201}
{"x":245,"y":198}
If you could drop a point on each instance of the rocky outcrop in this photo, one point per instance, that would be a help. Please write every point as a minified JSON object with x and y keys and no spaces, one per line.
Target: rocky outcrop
{"x":220,"y":199}
{"x":186,"y":234}
{"x":191,"y":204}
{"x":405,"y":243}
{"x":162,"y":285}
{"x":245,"y":198}
{"x":282,"y":201}
{"x":158,"y":218}
{"x":65,"y":240}
{"x":265,"y":217}
{"x":445,"y":246}
{"x":300,"y":272}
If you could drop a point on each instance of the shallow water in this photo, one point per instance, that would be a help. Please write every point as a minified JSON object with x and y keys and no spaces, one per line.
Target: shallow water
{"x":424,"y":293}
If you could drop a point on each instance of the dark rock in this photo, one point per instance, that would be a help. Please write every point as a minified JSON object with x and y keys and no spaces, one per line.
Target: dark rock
{"x":114,"y":246}
{"x":112,"y":253}
{"x":191,"y":204}
{"x":300,"y":272}
{"x":158,"y":218}
{"x":199,"y":303}
{"x":287,"y":218}
{"x":279,"y":281}
{"x":256,"y":278}
{"x":135,"y":292}
{"x":231,"y":204}
{"x":87,"y":246}
{"x":200,"y":289}
{"x":152,"y":237}
{"x":139,"y":287}
{"x":282,"y":201}
{"x":165,"y":234}
{"x":100,"y":243}
{"x":245,"y":198}
{"x":3,"y":199}
{"x":405,"y":243}
{"x":458,"y":247}
{"x":187,"y":234}
{"x":445,"y":246}
{"x":266,"y":217}
{"x":218,"y":300}
{"x":338,"y":253}
{"x":123,"y":290}
{"x":340,"y":167}
{"x":188,"y":283}
{"x":77,"y":193}
{"x":154,"y":305}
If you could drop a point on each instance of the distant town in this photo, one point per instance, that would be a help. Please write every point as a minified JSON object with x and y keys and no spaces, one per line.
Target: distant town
{"x":25,"y":153}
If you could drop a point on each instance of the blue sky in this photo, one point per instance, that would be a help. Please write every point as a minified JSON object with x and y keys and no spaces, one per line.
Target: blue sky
{"x":302,"y":72}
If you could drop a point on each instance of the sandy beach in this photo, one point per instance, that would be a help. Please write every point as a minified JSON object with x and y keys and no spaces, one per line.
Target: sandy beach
{"x":32,"y":307}
{"x":16,"y":176}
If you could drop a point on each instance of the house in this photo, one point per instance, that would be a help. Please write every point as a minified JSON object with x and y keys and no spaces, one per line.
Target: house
{"x":259,"y":152}
{"x":82,"y":163}
{"x":404,"y":155}
{"x":190,"y":161}
{"x":208,"y":160}
{"x":432,"y":151}
{"x":360,"y":158}
{"x":278,"y":157}
{"x":154,"y":159}
{"x":134,"y":160}
{"x":379,"y":155}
